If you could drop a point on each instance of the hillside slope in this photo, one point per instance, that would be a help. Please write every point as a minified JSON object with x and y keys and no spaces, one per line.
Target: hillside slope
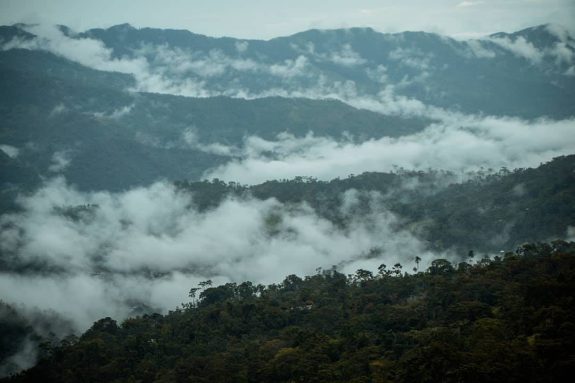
{"x":506,"y":319}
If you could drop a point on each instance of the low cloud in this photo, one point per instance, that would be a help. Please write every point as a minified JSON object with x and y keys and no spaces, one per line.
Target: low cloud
{"x":560,"y":53}
{"x":59,"y":109}
{"x":242,"y":46}
{"x":520,"y":47}
{"x":10,"y":151}
{"x":60,"y":161}
{"x":345,"y":56}
{"x":111,"y":253}
{"x":479,"y":50}
{"x":115,"y":114}
{"x":458,"y":144}
{"x":191,"y":140}
{"x":196,"y":73}
{"x":25,"y":357}
{"x":410,"y":58}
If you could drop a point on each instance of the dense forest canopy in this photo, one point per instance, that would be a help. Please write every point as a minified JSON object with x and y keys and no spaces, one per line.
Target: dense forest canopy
{"x":509,"y":318}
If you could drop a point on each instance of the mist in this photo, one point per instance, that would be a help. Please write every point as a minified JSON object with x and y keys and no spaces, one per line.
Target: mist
{"x":160,"y":68}
{"x":463,"y":146}
{"x":147,"y":247}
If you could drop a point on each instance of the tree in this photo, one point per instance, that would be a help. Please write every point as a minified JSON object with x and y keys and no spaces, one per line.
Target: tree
{"x":440,"y":266}
{"x":417,"y":260}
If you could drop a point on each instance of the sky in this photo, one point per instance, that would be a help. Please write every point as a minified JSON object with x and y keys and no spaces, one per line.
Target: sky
{"x":264,"y":19}
{"x":129,"y":230}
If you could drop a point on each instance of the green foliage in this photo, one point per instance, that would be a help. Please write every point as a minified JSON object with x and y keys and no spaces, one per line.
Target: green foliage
{"x":59,"y":105}
{"x":505,"y":319}
{"x":489,"y":212}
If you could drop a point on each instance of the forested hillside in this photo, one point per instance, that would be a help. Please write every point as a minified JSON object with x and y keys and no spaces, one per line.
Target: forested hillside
{"x":488,"y":212}
{"x":434,"y":69}
{"x":110,"y":139}
{"x":509,"y":319}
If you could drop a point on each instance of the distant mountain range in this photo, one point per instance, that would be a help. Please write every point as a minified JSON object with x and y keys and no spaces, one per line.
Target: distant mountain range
{"x":529,"y":73}
{"x":81,"y":104}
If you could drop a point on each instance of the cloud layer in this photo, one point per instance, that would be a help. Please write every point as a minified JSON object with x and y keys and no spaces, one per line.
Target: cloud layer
{"x":149,"y":246}
{"x":394,"y":84}
{"x":458,"y":143}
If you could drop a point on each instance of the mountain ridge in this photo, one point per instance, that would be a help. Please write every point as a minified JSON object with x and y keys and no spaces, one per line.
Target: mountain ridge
{"x":349,"y":64}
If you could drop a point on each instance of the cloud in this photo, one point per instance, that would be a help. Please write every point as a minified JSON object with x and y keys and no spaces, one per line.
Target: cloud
{"x":190,"y":138}
{"x":149,"y":246}
{"x":25,"y":357}
{"x":115,"y":114}
{"x":160,"y":68}
{"x":242,"y":46}
{"x":520,"y":47}
{"x":58,"y":109}
{"x":88,"y":52}
{"x":60,"y":161}
{"x":290,"y":68}
{"x":10,"y":151}
{"x":410,"y":58}
{"x":479,"y":50}
{"x":561,"y":52}
{"x":346,"y":56}
{"x":176,"y":64}
{"x":457,"y":143}
{"x":163,"y":69}
{"x":196,"y":73}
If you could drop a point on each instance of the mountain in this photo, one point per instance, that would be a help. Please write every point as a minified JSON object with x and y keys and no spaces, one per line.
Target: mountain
{"x":118,"y":139}
{"x":505,"y":319}
{"x":487,"y":214}
{"x":526,"y":74}
{"x":87,"y":112}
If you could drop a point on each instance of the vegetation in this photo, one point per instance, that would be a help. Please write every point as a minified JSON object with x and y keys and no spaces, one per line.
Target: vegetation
{"x":489,"y":212}
{"x":119,"y":139}
{"x":506,"y":319}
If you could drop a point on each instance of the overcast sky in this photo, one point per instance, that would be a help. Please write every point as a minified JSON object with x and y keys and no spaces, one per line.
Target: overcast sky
{"x":272,"y":18}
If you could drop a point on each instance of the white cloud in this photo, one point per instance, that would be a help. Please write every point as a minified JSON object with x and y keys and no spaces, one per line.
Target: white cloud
{"x":560,"y":53}
{"x":520,"y":47}
{"x":24,"y":358}
{"x":411,"y":58}
{"x":559,"y":31}
{"x":290,"y":68}
{"x":89,"y":52}
{"x":346,"y":56}
{"x":457,"y":143}
{"x":479,"y":50}
{"x":10,"y":151}
{"x":242,"y":46}
{"x":164,"y":69}
{"x":108,"y":250}
{"x":190,"y":137}
{"x":60,"y":161}
{"x":379,"y":74}
{"x":58,"y":109}
{"x":115,"y":114}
